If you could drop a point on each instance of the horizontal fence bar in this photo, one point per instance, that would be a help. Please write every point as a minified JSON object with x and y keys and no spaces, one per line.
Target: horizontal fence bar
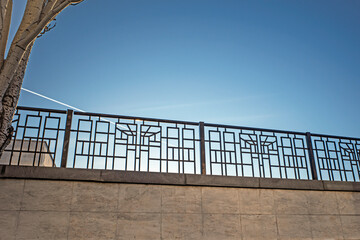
{"x":41,"y":109}
{"x":333,"y":136}
{"x":136,"y":118}
{"x":253,"y":128}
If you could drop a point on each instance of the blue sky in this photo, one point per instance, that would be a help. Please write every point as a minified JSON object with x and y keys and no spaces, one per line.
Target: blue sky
{"x":292,"y":65}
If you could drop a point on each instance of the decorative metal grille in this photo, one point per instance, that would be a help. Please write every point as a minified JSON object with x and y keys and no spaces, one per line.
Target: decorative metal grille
{"x":134,"y":144}
{"x":337,"y":158}
{"x":54,"y":138}
{"x":256,"y":153}
{"x":37,"y":138}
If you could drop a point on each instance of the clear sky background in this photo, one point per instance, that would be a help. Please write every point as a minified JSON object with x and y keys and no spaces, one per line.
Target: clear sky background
{"x":292,"y":65}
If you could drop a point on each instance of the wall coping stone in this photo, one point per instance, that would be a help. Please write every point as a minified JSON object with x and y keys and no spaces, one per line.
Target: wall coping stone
{"x":116,"y":176}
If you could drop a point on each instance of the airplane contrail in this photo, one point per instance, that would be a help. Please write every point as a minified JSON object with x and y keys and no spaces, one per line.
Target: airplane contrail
{"x":53,"y":100}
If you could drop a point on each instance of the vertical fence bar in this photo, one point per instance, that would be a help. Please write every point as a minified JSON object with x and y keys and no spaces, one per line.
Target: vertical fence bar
{"x":66,"y":138}
{"x":311,"y":156}
{"x":202,"y":148}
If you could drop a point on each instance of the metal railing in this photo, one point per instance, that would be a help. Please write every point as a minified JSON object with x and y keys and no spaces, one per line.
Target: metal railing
{"x":55,"y":138}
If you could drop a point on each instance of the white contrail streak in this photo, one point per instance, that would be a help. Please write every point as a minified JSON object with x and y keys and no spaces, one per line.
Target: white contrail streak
{"x":53,"y":100}
{"x":64,"y":104}
{"x":67,"y":105}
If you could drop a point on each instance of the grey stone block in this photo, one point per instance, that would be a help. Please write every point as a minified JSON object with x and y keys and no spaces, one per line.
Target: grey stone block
{"x":351,"y":227}
{"x":139,"y":198}
{"x":142,"y":226}
{"x":90,"y":196}
{"x":294,"y":227}
{"x":326,"y":227}
{"x":221,"y":226}
{"x":256,"y":201}
{"x":51,"y":173}
{"x":11,"y":192}
{"x":92,"y":226}
{"x":142,"y":177}
{"x":342,"y":186}
{"x":349,"y":202}
{"x":75,"y":174}
{"x":220,"y":200}
{"x":259,"y":227}
{"x":294,"y":184}
{"x":322,"y":202}
{"x":8,"y":222}
{"x":181,"y":226}
{"x":43,"y":225}
{"x":291,"y":202}
{"x":221,"y":181}
{"x":47,"y":195}
{"x":181,"y":199}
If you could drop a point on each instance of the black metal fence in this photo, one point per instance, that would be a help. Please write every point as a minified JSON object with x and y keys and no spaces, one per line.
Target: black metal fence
{"x":55,"y":138}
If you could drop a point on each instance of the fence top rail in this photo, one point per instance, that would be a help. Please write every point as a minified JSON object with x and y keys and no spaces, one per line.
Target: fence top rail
{"x":136,"y":118}
{"x":41,"y":109}
{"x":253,"y":128}
{"x":182,"y":122}
{"x":333,"y":136}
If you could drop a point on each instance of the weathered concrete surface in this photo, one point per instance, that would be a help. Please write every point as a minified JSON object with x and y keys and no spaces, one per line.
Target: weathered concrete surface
{"x":72,"y":209}
{"x":44,"y":209}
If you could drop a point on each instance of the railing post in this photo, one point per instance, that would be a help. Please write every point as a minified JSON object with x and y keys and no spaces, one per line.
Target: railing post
{"x":66,"y":138}
{"x":311,"y":156}
{"x":202,"y":148}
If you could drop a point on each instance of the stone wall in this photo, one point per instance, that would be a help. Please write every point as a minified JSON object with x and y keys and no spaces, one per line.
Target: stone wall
{"x":57,"y":209}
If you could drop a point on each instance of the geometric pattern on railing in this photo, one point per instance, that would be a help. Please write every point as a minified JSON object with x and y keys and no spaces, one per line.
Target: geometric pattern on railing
{"x":337,"y":158}
{"x":134,"y":144}
{"x":37,"y":138}
{"x":235,"y":151}
{"x":43,"y":137}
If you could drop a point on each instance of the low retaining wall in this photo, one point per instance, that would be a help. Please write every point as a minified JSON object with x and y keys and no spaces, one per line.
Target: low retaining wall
{"x":52,"y":203}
